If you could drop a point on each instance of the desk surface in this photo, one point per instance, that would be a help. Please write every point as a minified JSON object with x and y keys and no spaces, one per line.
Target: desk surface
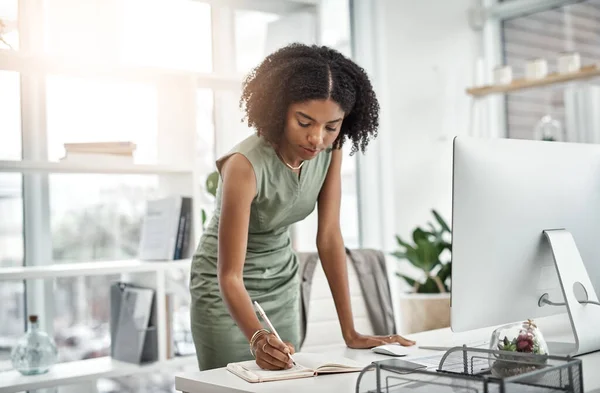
{"x":221,"y":381}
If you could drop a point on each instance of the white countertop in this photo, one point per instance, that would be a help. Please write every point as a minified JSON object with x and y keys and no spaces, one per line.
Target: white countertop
{"x":220,"y":380}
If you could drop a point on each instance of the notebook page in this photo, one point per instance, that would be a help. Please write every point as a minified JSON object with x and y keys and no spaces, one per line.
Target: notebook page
{"x":328,"y":362}
{"x":251,"y":366}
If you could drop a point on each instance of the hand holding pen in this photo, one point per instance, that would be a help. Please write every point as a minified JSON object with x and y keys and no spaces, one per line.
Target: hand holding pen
{"x":270,"y":351}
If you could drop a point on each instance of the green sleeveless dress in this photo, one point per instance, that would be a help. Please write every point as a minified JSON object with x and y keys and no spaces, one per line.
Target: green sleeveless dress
{"x":271,"y":267}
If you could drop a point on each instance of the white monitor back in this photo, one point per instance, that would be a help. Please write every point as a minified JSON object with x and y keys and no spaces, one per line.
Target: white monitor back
{"x":505,"y":194}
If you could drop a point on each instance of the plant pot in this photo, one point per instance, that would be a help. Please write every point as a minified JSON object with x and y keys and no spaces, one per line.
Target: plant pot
{"x":421,"y":312}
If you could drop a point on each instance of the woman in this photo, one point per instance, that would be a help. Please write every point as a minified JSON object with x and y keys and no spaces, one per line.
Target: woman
{"x":304,"y":102}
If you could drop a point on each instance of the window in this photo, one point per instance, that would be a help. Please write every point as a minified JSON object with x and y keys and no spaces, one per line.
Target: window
{"x":9,"y":32}
{"x":12,"y":293}
{"x":229,"y":118}
{"x":12,"y":312}
{"x":97,"y":217}
{"x":546,"y":34}
{"x":205,"y":128}
{"x":92,"y":218}
{"x":167,"y":33}
{"x":82,"y":317}
{"x":154,"y":382}
{"x":90,"y":110}
{"x":87,"y":29}
{"x":161,"y":33}
{"x":205,"y":134}
{"x":10,"y":116}
{"x":11,"y":222}
{"x":336,"y":35}
{"x":251,"y":30}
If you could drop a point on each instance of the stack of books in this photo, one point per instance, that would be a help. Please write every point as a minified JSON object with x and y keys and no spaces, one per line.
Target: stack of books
{"x":166,"y":229}
{"x":100,"y":152}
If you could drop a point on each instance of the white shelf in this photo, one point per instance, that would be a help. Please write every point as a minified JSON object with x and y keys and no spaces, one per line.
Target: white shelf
{"x":84,"y":371}
{"x":80,"y":167}
{"x":27,"y":63}
{"x":95,"y":268}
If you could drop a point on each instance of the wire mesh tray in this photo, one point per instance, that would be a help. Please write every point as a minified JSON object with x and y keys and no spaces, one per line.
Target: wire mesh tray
{"x":476,"y":370}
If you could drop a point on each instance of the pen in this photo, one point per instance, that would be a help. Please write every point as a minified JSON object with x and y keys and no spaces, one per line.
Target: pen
{"x":264,"y":317}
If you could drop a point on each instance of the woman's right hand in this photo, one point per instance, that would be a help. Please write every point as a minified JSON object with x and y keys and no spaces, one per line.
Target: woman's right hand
{"x":272,"y":354}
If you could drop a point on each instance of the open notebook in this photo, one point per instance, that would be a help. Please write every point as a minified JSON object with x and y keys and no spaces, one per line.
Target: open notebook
{"x":307,"y":365}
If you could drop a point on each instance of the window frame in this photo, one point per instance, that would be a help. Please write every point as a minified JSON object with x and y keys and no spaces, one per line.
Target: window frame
{"x":496,"y":12}
{"x":36,"y":201}
{"x":36,"y":196}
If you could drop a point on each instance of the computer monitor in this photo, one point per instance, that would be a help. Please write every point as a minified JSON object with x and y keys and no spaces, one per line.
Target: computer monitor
{"x":521,"y":212}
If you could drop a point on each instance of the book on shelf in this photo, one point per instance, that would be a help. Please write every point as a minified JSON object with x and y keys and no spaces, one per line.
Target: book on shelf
{"x":98,"y":158}
{"x":307,"y":365}
{"x":118,"y":147}
{"x":110,"y":153}
{"x":166,"y":229}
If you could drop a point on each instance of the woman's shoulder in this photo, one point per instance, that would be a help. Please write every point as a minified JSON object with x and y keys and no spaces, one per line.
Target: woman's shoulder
{"x":251,"y":145}
{"x":254,"y":148}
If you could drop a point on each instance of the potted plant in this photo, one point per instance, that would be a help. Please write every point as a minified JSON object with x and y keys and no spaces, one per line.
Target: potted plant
{"x":212,"y":182}
{"x":526,"y":341}
{"x":427,"y":305}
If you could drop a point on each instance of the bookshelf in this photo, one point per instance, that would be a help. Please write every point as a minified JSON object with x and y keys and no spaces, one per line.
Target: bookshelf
{"x":179,"y":171}
{"x":157,"y":280}
{"x":85,"y":370}
{"x":77,"y":167}
{"x":92,"y":268}
{"x":76,"y":66}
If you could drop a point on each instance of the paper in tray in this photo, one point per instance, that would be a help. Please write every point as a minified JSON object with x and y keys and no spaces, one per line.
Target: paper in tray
{"x":473,"y":370}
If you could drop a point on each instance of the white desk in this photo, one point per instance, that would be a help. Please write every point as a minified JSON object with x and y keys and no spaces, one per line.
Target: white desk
{"x":221,"y":381}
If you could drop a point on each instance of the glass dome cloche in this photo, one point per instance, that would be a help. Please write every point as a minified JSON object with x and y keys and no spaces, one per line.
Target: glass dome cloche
{"x":522,"y":338}
{"x":549,"y":129}
{"x":35,"y":352}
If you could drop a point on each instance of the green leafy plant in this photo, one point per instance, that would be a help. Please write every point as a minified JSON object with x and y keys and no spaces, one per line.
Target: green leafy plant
{"x":425,"y":254}
{"x":212,"y":181}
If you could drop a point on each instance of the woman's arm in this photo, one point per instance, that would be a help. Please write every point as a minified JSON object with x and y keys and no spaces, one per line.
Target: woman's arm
{"x":239,"y":189}
{"x":333,"y":258}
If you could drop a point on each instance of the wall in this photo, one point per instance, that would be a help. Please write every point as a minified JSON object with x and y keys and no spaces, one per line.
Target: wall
{"x":421,"y":57}
{"x":430,"y":52}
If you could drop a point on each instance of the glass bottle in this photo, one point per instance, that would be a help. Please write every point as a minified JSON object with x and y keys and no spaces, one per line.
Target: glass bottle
{"x":35,"y":352}
{"x":549,"y":129}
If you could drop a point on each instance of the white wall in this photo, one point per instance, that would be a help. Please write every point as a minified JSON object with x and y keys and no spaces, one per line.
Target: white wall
{"x":424,"y":55}
{"x":421,"y":56}
{"x":430,"y":55}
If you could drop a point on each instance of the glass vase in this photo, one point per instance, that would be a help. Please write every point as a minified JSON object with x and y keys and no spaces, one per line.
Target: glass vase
{"x":35,"y":352}
{"x":522,"y":338}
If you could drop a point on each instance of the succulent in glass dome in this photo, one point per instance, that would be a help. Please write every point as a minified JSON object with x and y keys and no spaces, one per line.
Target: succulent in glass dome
{"x":524,"y":338}
{"x":528,"y":340}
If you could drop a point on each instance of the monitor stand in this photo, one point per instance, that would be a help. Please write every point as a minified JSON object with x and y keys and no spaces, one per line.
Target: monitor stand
{"x":579,"y":295}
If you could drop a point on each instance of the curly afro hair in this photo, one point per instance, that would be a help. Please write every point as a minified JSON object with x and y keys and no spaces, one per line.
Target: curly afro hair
{"x":298,"y":73}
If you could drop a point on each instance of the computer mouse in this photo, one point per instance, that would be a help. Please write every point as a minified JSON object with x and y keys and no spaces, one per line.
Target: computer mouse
{"x":391,"y":350}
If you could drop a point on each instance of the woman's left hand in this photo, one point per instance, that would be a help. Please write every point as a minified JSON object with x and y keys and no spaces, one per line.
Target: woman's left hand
{"x":359,"y":341}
